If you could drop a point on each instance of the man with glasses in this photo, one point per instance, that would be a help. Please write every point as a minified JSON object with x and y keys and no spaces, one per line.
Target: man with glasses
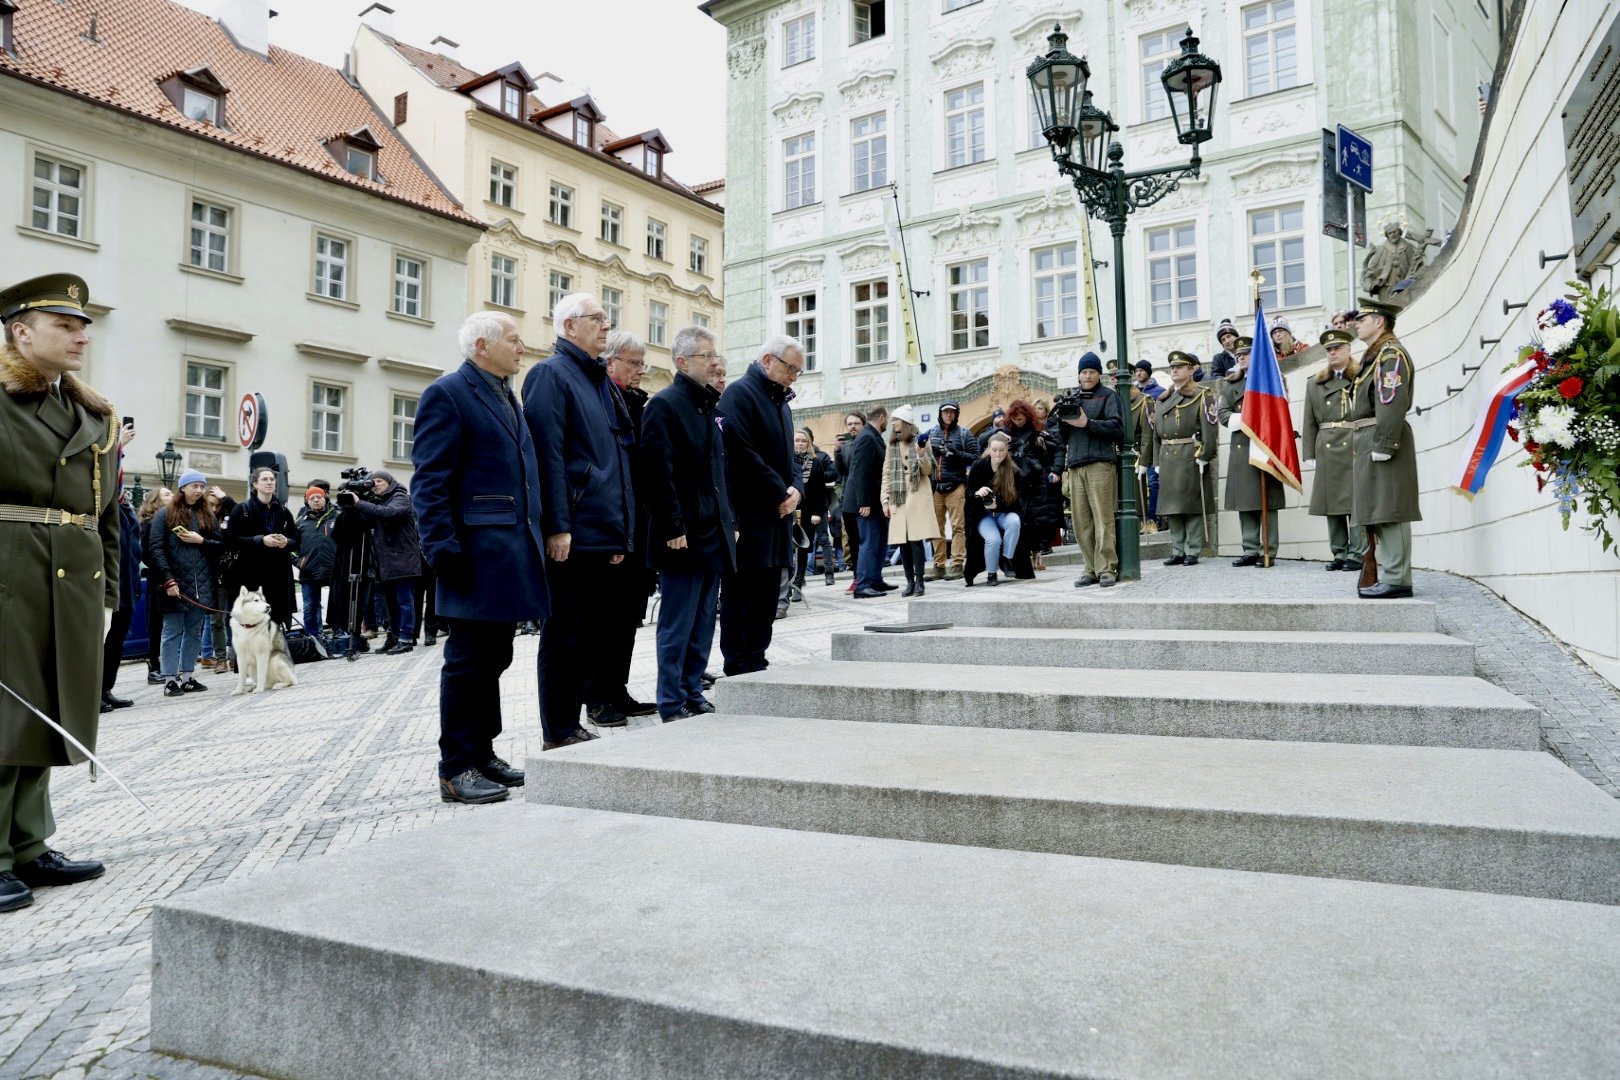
{"x":765,"y":489}
{"x":583,"y":439}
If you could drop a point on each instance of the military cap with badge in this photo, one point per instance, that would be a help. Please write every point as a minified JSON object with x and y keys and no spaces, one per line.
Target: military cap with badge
{"x":62,"y":294}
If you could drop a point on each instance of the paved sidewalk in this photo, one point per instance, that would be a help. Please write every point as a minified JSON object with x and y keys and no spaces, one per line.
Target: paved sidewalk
{"x":244,"y":784}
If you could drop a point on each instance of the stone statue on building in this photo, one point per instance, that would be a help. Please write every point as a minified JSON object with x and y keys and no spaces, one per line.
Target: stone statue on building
{"x":1396,"y":259}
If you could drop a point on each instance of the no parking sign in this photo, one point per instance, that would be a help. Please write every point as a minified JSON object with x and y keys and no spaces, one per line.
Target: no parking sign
{"x":252,"y":421}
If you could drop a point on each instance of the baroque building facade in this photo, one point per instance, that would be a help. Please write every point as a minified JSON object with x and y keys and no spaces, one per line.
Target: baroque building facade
{"x":837,"y":106}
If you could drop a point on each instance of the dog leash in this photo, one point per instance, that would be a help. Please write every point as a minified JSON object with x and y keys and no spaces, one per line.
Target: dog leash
{"x":96,"y":762}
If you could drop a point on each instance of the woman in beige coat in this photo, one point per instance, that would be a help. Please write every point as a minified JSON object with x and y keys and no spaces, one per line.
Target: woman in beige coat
{"x":908,"y":500}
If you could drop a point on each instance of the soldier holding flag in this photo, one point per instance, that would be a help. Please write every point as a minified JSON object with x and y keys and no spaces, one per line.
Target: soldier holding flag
{"x":1248,"y":489}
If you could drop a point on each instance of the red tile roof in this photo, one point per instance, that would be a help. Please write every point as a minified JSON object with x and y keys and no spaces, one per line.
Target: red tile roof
{"x":283,"y":110}
{"x":708,"y":186}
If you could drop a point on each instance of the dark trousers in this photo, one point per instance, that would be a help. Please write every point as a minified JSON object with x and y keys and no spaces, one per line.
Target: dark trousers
{"x":426,"y":602}
{"x":25,"y":813}
{"x":398,"y":595}
{"x":470,"y":693}
{"x":747,"y":616}
{"x":686,"y":618}
{"x":571,"y":659}
{"x":852,"y":532}
{"x":625,"y":605}
{"x":112,"y":650}
{"x":154,"y":623}
{"x":874,"y":546}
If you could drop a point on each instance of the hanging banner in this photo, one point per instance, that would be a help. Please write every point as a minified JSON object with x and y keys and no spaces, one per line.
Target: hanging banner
{"x":908,"y":320}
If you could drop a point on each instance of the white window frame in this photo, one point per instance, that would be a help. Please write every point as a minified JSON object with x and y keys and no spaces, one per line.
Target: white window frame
{"x":1037,"y":138}
{"x":869,"y":152}
{"x":402,"y":425}
{"x":327,"y":419}
{"x":512,"y":100}
{"x":612,"y":231}
{"x":582,"y":130}
{"x":402,"y":301}
{"x":1152,"y":104}
{"x":198,"y":395}
{"x":966,"y":111}
{"x":799,"y":40}
{"x":1278,"y":299}
{"x":871,"y":317}
{"x":503,"y":280}
{"x":201,"y":250}
{"x":503,"y":180}
{"x":55,"y":191}
{"x":652,"y":162}
{"x":700,"y":318}
{"x":334,"y":258}
{"x":199,"y":105}
{"x":1440,"y":39}
{"x":560,"y":208}
{"x":613,"y":304}
{"x":799,"y":170}
{"x":1170,"y":261}
{"x":657,"y":323}
{"x":559,"y":285}
{"x":966,"y":338}
{"x":1270,"y":31}
{"x":698,"y":256}
{"x":1067,"y":283}
{"x":860,"y":21}
{"x":801,"y":322}
{"x":358,"y":161}
{"x":657,"y":240}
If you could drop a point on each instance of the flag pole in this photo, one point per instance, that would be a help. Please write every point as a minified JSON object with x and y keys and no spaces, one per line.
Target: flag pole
{"x":1255,"y":277}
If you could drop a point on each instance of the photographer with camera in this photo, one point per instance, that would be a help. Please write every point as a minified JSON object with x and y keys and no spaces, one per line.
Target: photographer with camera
{"x":1093,"y":427}
{"x":995,"y":512}
{"x":396,"y":552}
{"x":955,"y":451}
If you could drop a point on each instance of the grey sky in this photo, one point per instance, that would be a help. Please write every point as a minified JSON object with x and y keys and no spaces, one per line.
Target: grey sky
{"x":648,"y":63}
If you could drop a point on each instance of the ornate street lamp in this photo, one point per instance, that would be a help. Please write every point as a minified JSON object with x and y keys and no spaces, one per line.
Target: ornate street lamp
{"x":1068,"y":117}
{"x":137,"y":494}
{"x":169,"y":464}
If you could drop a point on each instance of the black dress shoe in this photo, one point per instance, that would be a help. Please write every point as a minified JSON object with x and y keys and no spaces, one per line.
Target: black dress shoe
{"x":990,"y":580}
{"x":1381,"y":591}
{"x":868,"y":594}
{"x":702,"y":706}
{"x":1192,"y":560}
{"x":631,"y":707}
{"x":106,"y":708}
{"x":471,"y":787}
{"x":113,"y":701}
{"x":402,"y":647}
{"x":429,"y":640}
{"x":1350,"y":564}
{"x":910,"y":589}
{"x":684,"y":714}
{"x":708,"y":680}
{"x":498,"y":771}
{"x":54,"y":868}
{"x":578,"y":735}
{"x":13,"y":893}
{"x":1247,"y":560}
{"x":884,"y":586}
{"x":606,"y":716}
{"x":1176,"y":560}
{"x":1336,"y":564}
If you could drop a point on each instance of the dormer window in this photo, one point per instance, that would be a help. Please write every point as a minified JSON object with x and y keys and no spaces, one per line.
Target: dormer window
{"x":8,"y":10}
{"x":582,"y":130}
{"x":360,"y":162}
{"x":512,"y":100}
{"x":652,"y":162}
{"x":198,"y":95}
{"x":357,"y":152}
{"x":644,"y":152}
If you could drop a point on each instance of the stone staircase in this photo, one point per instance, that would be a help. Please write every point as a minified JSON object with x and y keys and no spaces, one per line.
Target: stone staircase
{"x":1065,"y":837}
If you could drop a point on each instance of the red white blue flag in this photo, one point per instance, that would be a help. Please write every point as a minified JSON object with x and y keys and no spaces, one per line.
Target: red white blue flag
{"x":1266,"y":419}
{"x":1485,"y":442}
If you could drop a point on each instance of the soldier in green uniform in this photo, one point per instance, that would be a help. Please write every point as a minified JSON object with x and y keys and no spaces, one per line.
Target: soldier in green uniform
{"x":1385,"y":472}
{"x":1243,"y":481}
{"x":58,"y":567}
{"x":1326,"y":443}
{"x":1181,"y":443}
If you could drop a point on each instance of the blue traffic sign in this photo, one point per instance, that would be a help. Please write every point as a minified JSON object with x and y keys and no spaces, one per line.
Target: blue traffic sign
{"x":1354,"y":160}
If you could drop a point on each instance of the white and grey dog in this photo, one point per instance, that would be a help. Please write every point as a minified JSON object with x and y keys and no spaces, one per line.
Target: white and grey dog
{"x":261,"y":647}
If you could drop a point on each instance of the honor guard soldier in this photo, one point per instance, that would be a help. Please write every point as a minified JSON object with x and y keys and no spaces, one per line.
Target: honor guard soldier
{"x":58,"y":567}
{"x":1385,"y":476}
{"x":1326,"y":443}
{"x":1181,"y":443}
{"x":1248,"y":489}
{"x":1145,"y":486}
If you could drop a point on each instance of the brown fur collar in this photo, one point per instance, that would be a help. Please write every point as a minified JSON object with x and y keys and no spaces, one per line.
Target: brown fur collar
{"x":1351,"y":370}
{"x":18,"y":377}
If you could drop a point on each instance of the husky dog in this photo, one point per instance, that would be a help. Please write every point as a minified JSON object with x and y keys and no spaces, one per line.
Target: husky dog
{"x":261,"y":647}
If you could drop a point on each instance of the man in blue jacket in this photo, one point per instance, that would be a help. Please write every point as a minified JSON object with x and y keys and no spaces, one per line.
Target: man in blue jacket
{"x":583,"y":439}
{"x":477,"y":499}
{"x":692,"y":533}
{"x":765,"y":488}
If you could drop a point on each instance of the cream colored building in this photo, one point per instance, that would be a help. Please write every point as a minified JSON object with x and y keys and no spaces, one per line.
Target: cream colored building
{"x":571,"y":206}
{"x":245,"y":222}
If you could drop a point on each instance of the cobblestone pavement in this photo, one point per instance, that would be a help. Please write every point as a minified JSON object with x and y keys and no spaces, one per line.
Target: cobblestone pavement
{"x":245,"y":784}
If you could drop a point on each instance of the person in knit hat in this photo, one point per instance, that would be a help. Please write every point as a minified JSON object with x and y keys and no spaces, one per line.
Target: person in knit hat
{"x":1092,"y":424}
{"x":317,"y":553}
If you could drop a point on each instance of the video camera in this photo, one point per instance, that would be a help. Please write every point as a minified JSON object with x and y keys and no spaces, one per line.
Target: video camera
{"x":355,"y":482}
{"x":1066,"y":406}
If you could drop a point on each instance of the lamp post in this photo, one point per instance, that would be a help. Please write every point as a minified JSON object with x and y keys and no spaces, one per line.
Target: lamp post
{"x":137,"y":494}
{"x":1083,"y":148}
{"x":168,"y":464}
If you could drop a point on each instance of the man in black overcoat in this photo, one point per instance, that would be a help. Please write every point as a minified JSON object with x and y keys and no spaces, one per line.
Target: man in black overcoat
{"x":863,"y":497}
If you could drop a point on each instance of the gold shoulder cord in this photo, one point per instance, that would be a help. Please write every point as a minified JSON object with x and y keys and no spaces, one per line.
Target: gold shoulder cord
{"x":100,"y":452}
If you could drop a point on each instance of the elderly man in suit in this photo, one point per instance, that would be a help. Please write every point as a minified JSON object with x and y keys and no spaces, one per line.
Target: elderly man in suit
{"x":476,"y":494}
{"x":863,"y":493}
{"x":765,"y":488}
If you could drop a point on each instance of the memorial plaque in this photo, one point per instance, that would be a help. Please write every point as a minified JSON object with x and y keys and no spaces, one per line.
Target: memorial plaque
{"x":1592,"y":150}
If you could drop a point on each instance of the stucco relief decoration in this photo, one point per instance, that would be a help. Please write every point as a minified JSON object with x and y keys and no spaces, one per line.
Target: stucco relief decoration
{"x":863,"y":212}
{"x":1156,"y":144}
{"x":798,"y":228}
{"x":1054,"y":212}
{"x":1155,"y":10}
{"x":961,"y":57}
{"x":1008,"y":386}
{"x":865,"y":256}
{"x":798,"y":109}
{"x":1030,"y":36}
{"x":1274,"y":176}
{"x":868,"y":87}
{"x":1051,"y":362}
{"x":1191,"y":193}
{"x":965,"y":232}
{"x":797,"y":271}
{"x":614,"y":271}
{"x":1272,"y":119}
{"x":744,"y":59}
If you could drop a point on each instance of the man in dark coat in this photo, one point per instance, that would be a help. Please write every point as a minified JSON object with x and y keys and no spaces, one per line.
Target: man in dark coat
{"x":59,"y":567}
{"x":129,"y":587}
{"x":317,"y":553}
{"x":765,"y":490}
{"x":843,"y":455}
{"x":583,"y":439}
{"x":816,"y":512}
{"x":863,"y":497}
{"x":955,"y":449}
{"x":1093,"y":428}
{"x":477,"y":502}
{"x":396,"y":554}
{"x":1384,"y":476}
{"x":692,"y":534}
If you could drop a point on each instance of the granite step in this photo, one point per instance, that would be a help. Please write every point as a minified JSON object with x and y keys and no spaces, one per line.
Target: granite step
{"x":1410,"y":710}
{"x":1371,"y":655}
{"x":1507,"y":821}
{"x":627,"y":946}
{"x":1100,"y":610}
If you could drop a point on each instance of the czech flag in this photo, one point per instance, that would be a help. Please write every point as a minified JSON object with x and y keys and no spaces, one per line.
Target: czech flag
{"x":1484,"y":443}
{"x":1266,"y":419}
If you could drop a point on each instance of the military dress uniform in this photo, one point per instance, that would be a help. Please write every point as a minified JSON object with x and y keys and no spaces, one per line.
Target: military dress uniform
{"x":1146,"y":510}
{"x":59,"y":562}
{"x":1327,"y":439}
{"x":1386,"y":491}
{"x":1244,"y":482}
{"x":1182,"y":437}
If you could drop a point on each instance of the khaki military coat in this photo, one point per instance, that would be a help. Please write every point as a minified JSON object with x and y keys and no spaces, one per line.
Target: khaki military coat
{"x":1242,"y":479}
{"x":1177,"y":416}
{"x":1327,"y":403}
{"x":1386,"y":492}
{"x":55,"y":580}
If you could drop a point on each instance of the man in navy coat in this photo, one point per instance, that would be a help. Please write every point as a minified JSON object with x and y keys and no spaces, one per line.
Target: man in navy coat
{"x":583,"y":438}
{"x":477,"y":499}
{"x":765,"y":487}
{"x":692,"y":532}
{"x":863,"y":496}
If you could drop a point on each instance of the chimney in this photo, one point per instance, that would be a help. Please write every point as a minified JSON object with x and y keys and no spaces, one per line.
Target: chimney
{"x":446,"y":48}
{"x":380,"y":17}
{"x":248,"y":24}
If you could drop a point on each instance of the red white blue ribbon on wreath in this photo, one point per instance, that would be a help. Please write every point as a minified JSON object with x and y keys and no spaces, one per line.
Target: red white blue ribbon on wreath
{"x":1484,"y":444}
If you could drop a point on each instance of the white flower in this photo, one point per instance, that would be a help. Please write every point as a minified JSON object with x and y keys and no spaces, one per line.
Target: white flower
{"x":1556,"y":426}
{"x":1557,"y":339}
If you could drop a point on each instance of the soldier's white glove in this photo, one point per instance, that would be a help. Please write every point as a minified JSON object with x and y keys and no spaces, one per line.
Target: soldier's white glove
{"x":1230,"y":418}
{"x":1310,"y":463}
{"x":1376,"y":456}
{"x":1141,"y":470}
{"x":106,"y":622}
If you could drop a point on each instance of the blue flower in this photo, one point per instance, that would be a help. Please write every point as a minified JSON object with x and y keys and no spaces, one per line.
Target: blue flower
{"x":1562,"y":311}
